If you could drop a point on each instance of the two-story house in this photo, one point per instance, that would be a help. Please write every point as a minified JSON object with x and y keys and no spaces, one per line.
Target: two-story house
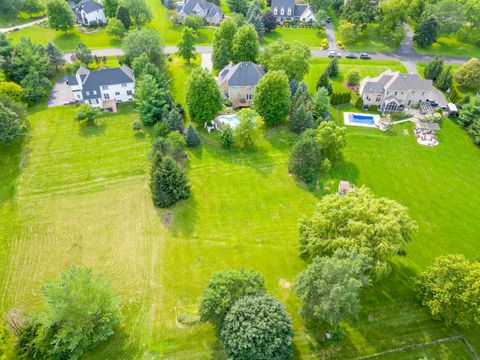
{"x":393,"y":91}
{"x":103,"y":88}
{"x":88,"y":12}
{"x":237,"y":82}
{"x":205,"y":9}
{"x":289,"y":10}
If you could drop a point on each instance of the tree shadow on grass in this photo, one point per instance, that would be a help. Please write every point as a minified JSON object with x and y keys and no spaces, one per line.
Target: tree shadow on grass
{"x":13,"y":158}
{"x":184,"y":217}
{"x":120,"y":347}
{"x":88,"y":130}
{"x":217,"y":351}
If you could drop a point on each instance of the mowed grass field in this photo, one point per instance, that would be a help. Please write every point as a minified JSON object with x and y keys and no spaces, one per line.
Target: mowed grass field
{"x":75,"y":194}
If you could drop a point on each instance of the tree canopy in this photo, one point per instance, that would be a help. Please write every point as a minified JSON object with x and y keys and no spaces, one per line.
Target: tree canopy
{"x":245,"y":44}
{"x":257,"y":327}
{"x":469,"y":74}
{"x":138,"y":10}
{"x":376,"y":227}
{"x":450,"y":289}
{"x":145,"y":41}
{"x":293,"y":58}
{"x":60,"y":17}
{"x":247,"y":133}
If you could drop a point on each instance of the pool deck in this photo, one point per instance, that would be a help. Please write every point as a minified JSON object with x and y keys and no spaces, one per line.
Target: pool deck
{"x":346,"y":119}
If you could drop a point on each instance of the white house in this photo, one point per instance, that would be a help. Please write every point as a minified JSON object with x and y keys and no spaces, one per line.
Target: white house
{"x":392,"y":91}
{"x":205,"y":9}
{"x":289,"y":10}
{"x":103,"y":88}
{"x":88,"y":11}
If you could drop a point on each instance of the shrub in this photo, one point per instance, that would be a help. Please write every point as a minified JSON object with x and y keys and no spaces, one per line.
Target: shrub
{"x":305,"y":159}
{"x":226,"y":137}
{"x":160,"y":129}
{"x":193,"y":139}
{"x":353,"y":77}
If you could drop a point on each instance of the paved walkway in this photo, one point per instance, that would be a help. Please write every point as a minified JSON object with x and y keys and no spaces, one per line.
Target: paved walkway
{"x":23,"y":26}
{"x":207,"y":62}
{"x":332,"y":39}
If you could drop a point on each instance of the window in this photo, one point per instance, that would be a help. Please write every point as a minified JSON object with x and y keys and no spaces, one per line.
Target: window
{"x":396,"y":92}
{"x":282,"y":11}
{"x":87,"y":92}
{"x":129,"y":92}
{"x":423,"y":93}
{"x":105,"y":87}
{"x":106,"y":96}
{"x":413,"y":92}
{"x":124,"y":85}
{"x":378,"y":98}
{"x":275,"y":12}
{"x":234,"y":88}
{"x":94,"y":92}
{"x":117,"y":93}
{"x":289,"y":11}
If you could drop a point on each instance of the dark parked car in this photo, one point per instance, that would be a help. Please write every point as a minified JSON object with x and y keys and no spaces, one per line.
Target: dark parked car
{"x":327,"y":19}
{"x":351,"y":56}
{"x":432,"y":102}
{"x":365,"y":56}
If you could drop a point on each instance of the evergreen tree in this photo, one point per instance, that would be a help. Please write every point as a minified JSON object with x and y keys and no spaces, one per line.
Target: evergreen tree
{"x":34,"y":86}
{"x":185,"y":46}
{"x":11,"y":127}
{"x":150,"y":100}
{"x":332,"y":68}
{"x":323,"y":82}
{"x":256,"y":21}
{"x":54,"y":55}
{"x":293,"y":87}
{"x":110,"y":7}
{"x":306,"y":158}
{"x":427,"y":32}
{"x":192,"y":137}
{"x":320,"y":104}
{"x":301,"y":120}
{"x":238,"y":6}
{"x":168,"y":182}
{"x":175,"y":121}
{"x":220,"y":54}
{"x":245,"y":45}
{"x":124,"y":16}
{"x":253,"y":9}
{"x":445,"y":80}
{"x":434,"y":68}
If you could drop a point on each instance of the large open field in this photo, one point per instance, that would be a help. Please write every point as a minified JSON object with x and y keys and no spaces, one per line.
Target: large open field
{"x":75,"y":194}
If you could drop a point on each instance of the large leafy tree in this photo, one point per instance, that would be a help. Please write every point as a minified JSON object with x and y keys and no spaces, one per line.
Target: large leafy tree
{"x":186,"y":48}
{"x":331,"y":139}
{"x":245,"y":44}
{"x":124,"y":16}
{"x":220,"y":54}
{"x":116,"y":28}
{"x":269,"y":21}
{"x":445,"y":80}
{"x":60,"y":17}
{"x":469,"y":118}
{"x":223,"y":43}
{"x":376,"y":227}
{"x":224,"y":288}
{"x":138,"y":10}
{"x":145,"y":41}
{"x":450,"y":14}
{"x":293,"y":58}
{"x":83,"y":53}
{"x":348,"y":31}
{"x":330,"y":286}
{"x":150,"y":100}
{"x":272,"y":97}
{"x":168,"y":182}
{"x":26,"y":57}
{"x":80,"y":311}
{"x":34,"y":86}
{"x":247,"y":133}
{"x":54,"y":55}
{"x":12,"y":90}
{"x":9,"y":7}
{"x":257,"y":327}
{"x":88,"y":113}
{"x":358,"y":12}
{"x":427,"y":32}
{"x":434,"y":68}
{"x":11,"y":127}
{"x":450,"y":289}
{"x":469,"y":74}
{"x":203,"y":97}
{"x":32,"y":6}
{"x":238,"y":6}
{"x":110,"y":7}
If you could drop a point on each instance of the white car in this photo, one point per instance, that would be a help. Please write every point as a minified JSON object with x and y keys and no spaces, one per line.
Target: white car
{"x":334,"y":53}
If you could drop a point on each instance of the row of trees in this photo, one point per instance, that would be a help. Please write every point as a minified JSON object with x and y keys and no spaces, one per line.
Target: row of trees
{"x":250,"y":323}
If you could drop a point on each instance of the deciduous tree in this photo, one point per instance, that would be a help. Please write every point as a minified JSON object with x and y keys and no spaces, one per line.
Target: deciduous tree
{"x":247,"y":133}
{"x":269,"y":21}
{"x":11,"y":127}
{"x":469,"y":74}
{"x":186,"y":48}
{"x":110,"y":7}
{"x":245,"y":45}
{"x":60,"y":17}
{"x":116,"y":28}
{"x":145,"y":41}
{"x":138,"y":10}
{"x":272,"y":97}
{"x":306,"y":158}
{"x":88,"y":113}
{"x":434,"y":68}
{"x":83,"y":53}
{"x":427,"y":31}
{"x":293,"y":58}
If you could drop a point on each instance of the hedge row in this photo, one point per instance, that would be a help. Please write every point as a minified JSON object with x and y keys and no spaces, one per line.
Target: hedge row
{"x":340,"y":98}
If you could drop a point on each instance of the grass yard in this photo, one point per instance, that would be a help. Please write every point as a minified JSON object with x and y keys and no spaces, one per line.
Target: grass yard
{"x":365,"y":68}
{"x":75,"y":194}
{"x":452,"y":45}
{"x":454,"y":350}
{"x":21,"y":18}
{"x":369,"y":40}
{"x":309,"y":36}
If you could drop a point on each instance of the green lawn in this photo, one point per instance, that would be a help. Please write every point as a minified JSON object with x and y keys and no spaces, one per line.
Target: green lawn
{"x":75,"y":194}
{"x":452,"y":45}
{"x":309,"y":36}
{"x":369,"y":40}
{"x":364,"y":67}
{"x":21,"y":18}
{"x":454,"y":350}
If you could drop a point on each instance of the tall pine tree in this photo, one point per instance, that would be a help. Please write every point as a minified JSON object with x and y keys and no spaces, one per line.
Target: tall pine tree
{"x":168,"y":182}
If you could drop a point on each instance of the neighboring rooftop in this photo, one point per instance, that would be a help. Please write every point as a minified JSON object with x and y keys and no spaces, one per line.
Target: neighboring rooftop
{"x":245,"y":73}
{"x":86,"y":5}
{"x":391,"y":81}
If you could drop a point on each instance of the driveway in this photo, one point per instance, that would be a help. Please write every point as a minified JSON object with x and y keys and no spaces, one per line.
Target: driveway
{"x":23,"y":26}
{"x":332,"y":40}
{"x":207,"y":62}
{"x":60,"y":94}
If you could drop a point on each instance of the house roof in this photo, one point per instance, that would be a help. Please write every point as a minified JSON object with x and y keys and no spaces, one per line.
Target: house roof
{"x":88,"y":6}
{"x":213,"y":10}
{"x":395,"y":81}
{"x":245,"y":73}
{"x":300,"y":9}
{"x":207,"y":6}
{"x":283,"y":3}
{"x":93,"y":80}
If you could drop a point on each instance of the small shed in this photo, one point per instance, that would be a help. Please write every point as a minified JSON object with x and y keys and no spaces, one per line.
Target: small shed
{"x":344,"y":187}
{"x":452,"y":109}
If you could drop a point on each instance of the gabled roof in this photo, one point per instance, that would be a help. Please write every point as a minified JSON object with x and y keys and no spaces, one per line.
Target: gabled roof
{"x":213,"y":10}
{"x":245,"y":73}
{"x":93,"y":80}
{"x":190,"y":5}
{"x":283,"y":3}
{"x":300,"y":9}
{"x":395,"y":81}
{"x":88,"y":6}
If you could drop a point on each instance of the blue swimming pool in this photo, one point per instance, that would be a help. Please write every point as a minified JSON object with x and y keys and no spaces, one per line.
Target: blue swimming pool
{"x":362,"y":119}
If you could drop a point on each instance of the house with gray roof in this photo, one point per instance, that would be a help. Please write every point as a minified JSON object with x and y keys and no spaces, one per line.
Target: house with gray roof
{"x":285,"y":10}
{"x":393,"y":91}
{"x":237,"y":82}
{"x":103,"y":88}
{"x":88,"y":12}
{"x":205,"y":9}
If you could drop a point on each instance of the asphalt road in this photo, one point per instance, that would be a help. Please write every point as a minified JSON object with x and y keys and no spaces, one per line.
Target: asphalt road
{"x":23,"y":26}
